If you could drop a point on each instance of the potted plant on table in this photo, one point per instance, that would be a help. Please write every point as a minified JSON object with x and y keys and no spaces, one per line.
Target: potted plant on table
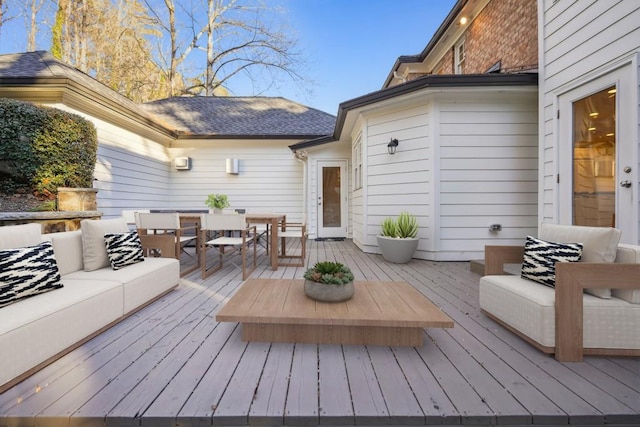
{"x":329,"y":281}
{"x":398,"y":239}
{"x":217,"y":202}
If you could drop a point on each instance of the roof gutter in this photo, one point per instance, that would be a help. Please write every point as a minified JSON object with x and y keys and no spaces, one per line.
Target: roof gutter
{"x":433,"y":81}
{"x":404,"y":59}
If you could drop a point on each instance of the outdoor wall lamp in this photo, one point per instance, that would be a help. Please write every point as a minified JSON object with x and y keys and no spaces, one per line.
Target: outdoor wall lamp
{"x":392,"y":146}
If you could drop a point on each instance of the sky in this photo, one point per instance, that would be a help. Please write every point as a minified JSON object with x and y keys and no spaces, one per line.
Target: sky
{"x":350,"y":45}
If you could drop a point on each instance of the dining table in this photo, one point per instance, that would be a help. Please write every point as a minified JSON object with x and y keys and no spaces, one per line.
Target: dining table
{"x":273,"y":221}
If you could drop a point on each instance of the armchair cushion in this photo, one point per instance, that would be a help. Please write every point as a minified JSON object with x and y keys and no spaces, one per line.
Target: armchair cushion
{"x":628,"y":254}
{"x":599,"y":244}
{"x":540,"y":257}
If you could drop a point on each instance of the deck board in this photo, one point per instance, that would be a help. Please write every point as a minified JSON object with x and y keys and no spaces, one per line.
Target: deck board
{"x":173,"y":364}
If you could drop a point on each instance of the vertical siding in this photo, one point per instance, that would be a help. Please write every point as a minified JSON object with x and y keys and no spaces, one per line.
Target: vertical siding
{"x":578,"y":39}
{"x":488,"y":155}
{"x":270,"y":177}
{"x":402,"y":181}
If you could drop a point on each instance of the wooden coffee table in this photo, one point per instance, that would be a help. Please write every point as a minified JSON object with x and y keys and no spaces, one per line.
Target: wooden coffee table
{"x":379,"y":313}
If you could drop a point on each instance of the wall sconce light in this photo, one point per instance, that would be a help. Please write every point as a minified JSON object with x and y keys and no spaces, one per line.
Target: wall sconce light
{"x":182,"y":163}
{"x":392,"y":146}
{"x":233,"y":166}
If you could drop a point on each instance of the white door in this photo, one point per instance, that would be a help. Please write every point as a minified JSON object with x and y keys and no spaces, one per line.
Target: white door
{"x":332,"y":198}
{"x":597,"y":176}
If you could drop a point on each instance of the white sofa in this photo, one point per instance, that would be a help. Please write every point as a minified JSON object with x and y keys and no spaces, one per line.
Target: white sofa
{"x":568,"y":320}
{"x":39,"y":329}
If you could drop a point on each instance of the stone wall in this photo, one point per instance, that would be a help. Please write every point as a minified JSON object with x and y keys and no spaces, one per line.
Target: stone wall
{"x":52,"y":222}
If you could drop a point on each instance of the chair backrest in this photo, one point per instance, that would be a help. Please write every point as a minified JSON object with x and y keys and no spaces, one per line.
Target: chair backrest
{"x":130,"y":215}
{"x":223,"y":222}
{"x":159,"y":221}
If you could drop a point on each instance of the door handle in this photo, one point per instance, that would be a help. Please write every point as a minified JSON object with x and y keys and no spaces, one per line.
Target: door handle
{"x":625,"y":184}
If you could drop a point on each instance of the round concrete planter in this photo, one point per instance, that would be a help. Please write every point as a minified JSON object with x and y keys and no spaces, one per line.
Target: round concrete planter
{"x":399,"y":251}
{"x":328,"y":293}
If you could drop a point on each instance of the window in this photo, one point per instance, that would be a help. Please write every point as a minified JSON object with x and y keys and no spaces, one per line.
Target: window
{"x":459,"y":56}
{"x":357,"y":162}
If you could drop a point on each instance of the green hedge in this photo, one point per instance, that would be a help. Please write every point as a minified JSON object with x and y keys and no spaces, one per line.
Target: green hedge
{"x":44,"y":148}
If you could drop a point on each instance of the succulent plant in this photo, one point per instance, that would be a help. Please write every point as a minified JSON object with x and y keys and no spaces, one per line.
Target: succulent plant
{"x":329,"y":273}
{"x":404,"y":227}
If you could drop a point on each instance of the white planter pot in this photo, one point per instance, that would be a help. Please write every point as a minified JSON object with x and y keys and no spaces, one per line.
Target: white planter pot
{"x":399,"y":251}
{"x":328,"y":293}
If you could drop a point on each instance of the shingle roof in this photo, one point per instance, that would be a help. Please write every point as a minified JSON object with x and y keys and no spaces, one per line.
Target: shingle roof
{"x":201,"y":117}
{"x":32,"y":67}
{"x":242,"y":116}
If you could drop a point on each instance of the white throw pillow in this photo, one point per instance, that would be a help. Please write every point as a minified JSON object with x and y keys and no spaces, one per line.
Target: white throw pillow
{"x":94,"y":250}
{"x":599,"y":244}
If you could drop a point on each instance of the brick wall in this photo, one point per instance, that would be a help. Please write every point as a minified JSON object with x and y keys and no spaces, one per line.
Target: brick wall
{"x":505,"y":31}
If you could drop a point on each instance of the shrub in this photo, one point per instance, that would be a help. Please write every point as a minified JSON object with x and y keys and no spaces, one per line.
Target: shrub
{"x":19,"y":124}
{"x":43,"y":148}
{"x":66,"y":148}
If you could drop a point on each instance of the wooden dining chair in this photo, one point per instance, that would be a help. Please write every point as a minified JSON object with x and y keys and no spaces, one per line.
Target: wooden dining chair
{"x":155,"y":224}
{"x":291,"y":230}
{"x":262,"y":229}
{"x":213,"y":234}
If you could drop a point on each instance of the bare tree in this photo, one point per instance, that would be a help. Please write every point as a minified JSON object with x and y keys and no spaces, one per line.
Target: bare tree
{"x":32,"y":8}
{"x":238,"y":38}
{"x":5,"y":16}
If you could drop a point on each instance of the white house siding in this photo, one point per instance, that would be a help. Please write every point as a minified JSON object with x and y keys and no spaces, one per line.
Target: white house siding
{"x":399,"y":182}
{"x":270,"y":177}
{"x":488,"y":156}
{"x":580,"y":41}
{"x":131,"y":171}
{"x":357,"y":194}
{"x":334,"y":151}
{"x":466,"y":159}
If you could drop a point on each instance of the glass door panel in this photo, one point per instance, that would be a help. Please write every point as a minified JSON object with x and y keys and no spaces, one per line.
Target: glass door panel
{"x":594,"y":154}
{"x":331,"y":205}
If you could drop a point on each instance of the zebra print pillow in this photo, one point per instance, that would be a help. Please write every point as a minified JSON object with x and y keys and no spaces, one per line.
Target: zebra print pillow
{"x":27,"y":271}
{"x":123,"y":249}
{"x":540,"y":259}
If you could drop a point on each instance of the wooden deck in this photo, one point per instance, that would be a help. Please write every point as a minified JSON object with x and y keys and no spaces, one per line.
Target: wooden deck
{"x":173,"y":364}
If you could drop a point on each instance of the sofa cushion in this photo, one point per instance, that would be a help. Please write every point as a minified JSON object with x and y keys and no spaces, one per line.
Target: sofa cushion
{"x":28,"y":271}
{"x":94,"y":251}
{"x":123,"y":249}
{"x":628,"y":254}
{"x":19,"y":236}
{"x":599,"y":244}
{"x":540,"y":257}
{"x":38,"y":328}
{"x":141,"y":282}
